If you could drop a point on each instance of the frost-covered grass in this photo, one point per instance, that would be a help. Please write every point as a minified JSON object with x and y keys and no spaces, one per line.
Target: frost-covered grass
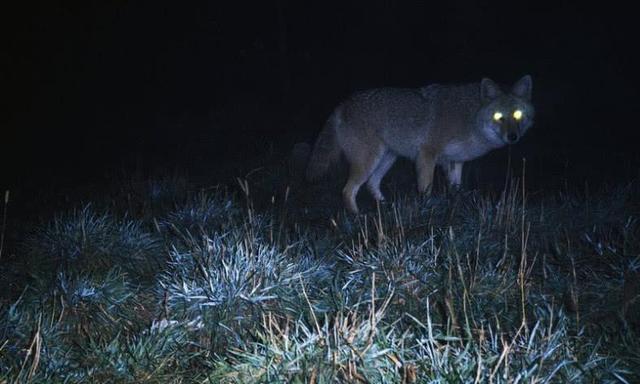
{"x":206,"y":287}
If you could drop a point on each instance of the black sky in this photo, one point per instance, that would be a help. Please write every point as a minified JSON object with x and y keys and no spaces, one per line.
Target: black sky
{"x":92,"y":86}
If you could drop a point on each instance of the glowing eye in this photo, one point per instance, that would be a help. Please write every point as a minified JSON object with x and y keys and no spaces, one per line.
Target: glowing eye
{"x":497,"y":116}
{"x":517,"y":114}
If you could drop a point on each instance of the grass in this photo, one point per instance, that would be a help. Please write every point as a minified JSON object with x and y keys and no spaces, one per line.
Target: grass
{"x":162,"y":283}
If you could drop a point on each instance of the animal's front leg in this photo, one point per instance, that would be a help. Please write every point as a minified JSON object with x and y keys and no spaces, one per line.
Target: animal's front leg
{"x":425,"y":165}
{"x":454,"y":174}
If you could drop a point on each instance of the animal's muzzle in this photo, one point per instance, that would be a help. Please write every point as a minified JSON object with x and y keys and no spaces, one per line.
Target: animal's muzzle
{"x":512,"y":137}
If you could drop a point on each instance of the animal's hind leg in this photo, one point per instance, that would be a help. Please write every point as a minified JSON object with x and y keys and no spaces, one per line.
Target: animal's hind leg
{"x":383,"y":167}
{"x":361,"y":167}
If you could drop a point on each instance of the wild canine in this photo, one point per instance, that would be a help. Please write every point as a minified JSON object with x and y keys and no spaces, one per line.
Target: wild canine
{"x":442,"y":125}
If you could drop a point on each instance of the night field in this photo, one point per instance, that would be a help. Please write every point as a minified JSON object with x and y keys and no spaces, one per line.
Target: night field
{"x":156,"y":224}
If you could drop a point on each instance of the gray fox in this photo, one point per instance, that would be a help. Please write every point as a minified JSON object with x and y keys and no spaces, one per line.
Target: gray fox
{"x":442,"y":125}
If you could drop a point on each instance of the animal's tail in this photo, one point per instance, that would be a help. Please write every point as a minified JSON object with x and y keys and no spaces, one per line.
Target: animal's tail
{"x":326,"y":150}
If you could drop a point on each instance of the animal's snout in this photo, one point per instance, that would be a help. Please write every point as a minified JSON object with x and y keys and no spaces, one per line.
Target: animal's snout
{"x":512,"y":137}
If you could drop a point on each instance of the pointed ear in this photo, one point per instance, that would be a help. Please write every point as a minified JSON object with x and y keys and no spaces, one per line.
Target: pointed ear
{"x":522,"y":88}
{"x":489,"y":90}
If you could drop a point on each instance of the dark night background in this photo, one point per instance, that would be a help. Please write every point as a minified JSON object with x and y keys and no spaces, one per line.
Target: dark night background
{"x":100,"y":87}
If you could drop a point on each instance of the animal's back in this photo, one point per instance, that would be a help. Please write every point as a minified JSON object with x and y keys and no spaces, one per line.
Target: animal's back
{"x":405,"y":119}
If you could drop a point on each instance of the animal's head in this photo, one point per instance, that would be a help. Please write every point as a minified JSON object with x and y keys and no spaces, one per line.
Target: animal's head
{"x":506,"y":115}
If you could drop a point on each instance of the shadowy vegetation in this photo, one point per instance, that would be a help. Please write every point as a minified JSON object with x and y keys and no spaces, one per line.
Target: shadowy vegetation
{"x":159,"y":282}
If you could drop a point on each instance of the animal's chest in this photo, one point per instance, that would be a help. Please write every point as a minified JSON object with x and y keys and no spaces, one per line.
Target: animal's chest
{"x":460,"y":151}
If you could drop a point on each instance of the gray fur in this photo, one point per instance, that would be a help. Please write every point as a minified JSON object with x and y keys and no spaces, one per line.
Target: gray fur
{"x":442,"y":125}
{"x":325,"y":152}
